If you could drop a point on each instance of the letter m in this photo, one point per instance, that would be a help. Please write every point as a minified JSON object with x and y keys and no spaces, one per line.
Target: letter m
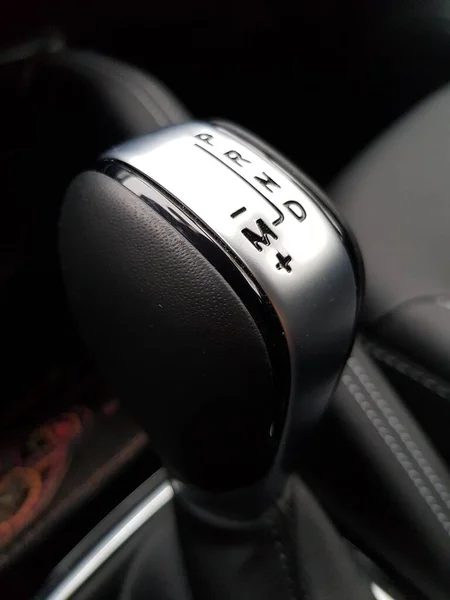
{"x":262,"y":238}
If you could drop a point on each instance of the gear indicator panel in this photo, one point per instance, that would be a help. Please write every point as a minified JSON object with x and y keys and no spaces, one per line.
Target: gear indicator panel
{"x":261,"y":232}
{"x":270,"y":221}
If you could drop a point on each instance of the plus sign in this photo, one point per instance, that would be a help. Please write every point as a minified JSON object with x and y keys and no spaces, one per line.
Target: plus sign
{"x":284,"y":262}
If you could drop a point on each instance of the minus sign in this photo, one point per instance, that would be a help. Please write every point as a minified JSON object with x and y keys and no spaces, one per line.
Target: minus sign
{"x":238,"y":212}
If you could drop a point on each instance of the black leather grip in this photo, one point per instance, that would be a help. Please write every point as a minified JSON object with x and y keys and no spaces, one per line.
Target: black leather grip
{"x":170,"y":333}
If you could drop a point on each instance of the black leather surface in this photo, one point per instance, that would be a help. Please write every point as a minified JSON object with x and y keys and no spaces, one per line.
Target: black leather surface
{"x":81,"y":103}
{"x":170,"y":333}
{"x":420,"y":329}
{"x":388,"y":490}
{"x":99,"y":101}
{"x":158,"y":569}
{"x":395,"y":198}
{"x":289,"y":551}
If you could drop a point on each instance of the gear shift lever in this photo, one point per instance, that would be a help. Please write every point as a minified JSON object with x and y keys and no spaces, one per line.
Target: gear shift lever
{"x":218,"y":290}
{"x":219,"y":293}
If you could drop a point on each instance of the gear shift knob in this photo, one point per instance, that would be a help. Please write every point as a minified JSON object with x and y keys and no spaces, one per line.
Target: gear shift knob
{"x":218,"y":291}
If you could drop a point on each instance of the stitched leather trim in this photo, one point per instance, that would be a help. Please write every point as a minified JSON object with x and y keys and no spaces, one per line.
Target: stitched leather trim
{"x":409,"y":369}
{"x":282,"y":556}
{"x":404,"y":435}
{"x":392,"y":431}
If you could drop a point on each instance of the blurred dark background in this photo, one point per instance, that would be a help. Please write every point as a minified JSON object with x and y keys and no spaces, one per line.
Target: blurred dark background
{"x":316,"y":78}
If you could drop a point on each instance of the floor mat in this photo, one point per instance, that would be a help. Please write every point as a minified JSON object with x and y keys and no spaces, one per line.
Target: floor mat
{"x":49,"y":469}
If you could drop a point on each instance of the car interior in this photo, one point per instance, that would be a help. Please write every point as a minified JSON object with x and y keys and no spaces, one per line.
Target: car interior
{"x":225,"y":283}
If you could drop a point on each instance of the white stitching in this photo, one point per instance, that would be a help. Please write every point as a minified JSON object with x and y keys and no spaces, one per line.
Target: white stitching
{"x":283,"y":558}
{"x":395,"y":423}
{"x":409,"y":370}
{"x":396,"y":450}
